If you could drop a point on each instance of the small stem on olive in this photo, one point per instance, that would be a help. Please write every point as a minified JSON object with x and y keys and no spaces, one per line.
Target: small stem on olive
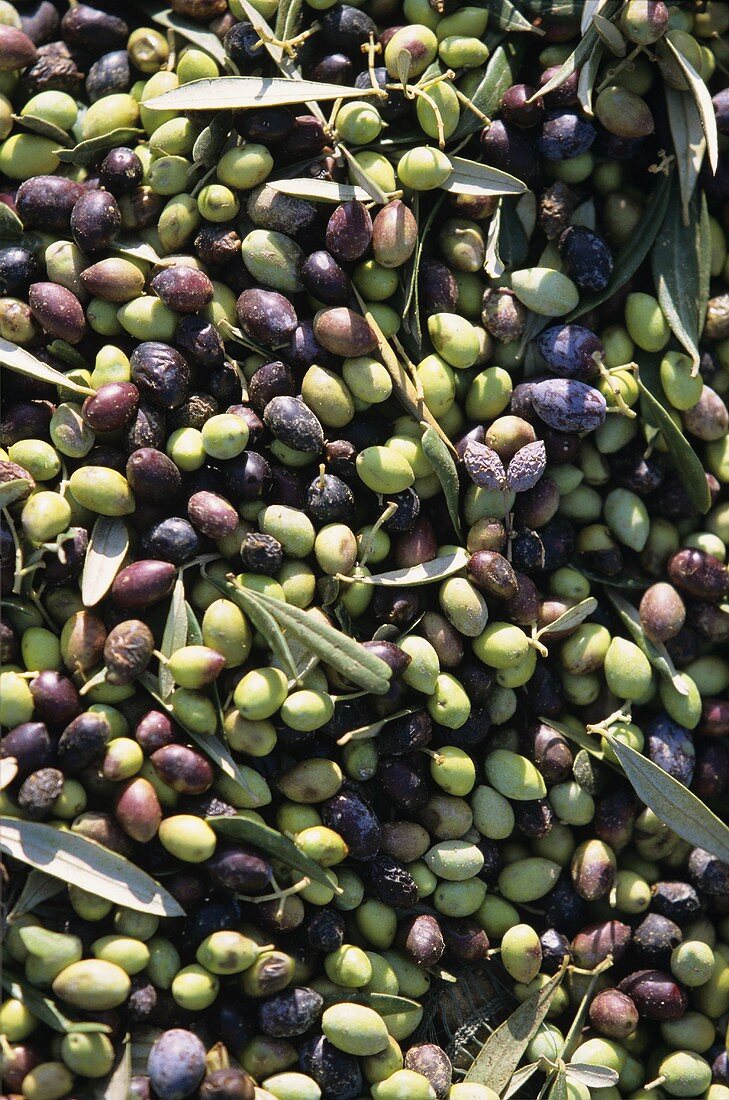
{"x":438,"y":116}
{"x":368,"y":541}
{"x":95,"y":681}
{"x":612,"y":73}
{"x":655,"y":1084}
{"x":18,"y":577}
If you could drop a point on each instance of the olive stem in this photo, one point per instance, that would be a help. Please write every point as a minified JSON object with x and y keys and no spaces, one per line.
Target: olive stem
{"x":655,"y":1084}
{"x":471,"y":106}
{"x":614,"y":385}
{"x":603,"y":727}
{"x":612,"y":73}
{"x":535,"y":642}
{"x":202,"y":181}
{"x":99,"y":678}
{"x":18,"y":576}
{"x":160,"y":657}
{"x":258,"y":899}
{"x":438,"y":116}
{"x":435,"y":756}
{"x":368,"y":541}
{"x":171,"y":62}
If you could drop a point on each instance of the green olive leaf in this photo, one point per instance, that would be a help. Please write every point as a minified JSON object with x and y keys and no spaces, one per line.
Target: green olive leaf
{"x":89,"y":151}
{"x":632,"y":254}
{"x":589,"y":8}
{"x":513,"y":240}
{"x":589,"y":744}
{"x":74,"y":858}
{"x":575,"y":1033}
{"x":117,"y":1086}
{"x":174,"y":636}
{"x":37,"y":888}
{"x":16,"y":489}
{"x":238,"y":92}
{"x":588,"y":76}
{"x":441,"y":460}
{"x":196,"y":33}
{"x":500,"y":73}
{"x":469,"y":177}
{"x":673,"y":803}
{"x":319,"y":190}
{"x":509,"y":18}
{"x":703,"y":244}
{"x":493,"y":264}
{"x":688,"y":465}
{"x":558,"y":1085}
{"x":688,"y":141}
{"x":656,"y":652}
{"x":35,"y":125}
{"x":675,"y":260}
{"x":610,"y":35}
{"x":194,"y":633}
{"x":22,"y":362}
{"x":264,"y":623}
{"x":520,"y":1078}
{"x":595,"y":1077}
{"x":363,"y":178}
{"x":67,"y":353}
{"x":210,"y":142}
{"x":139,"y":250}
{"x":272,"y":842}
{"x":571,"y":618}
{"x":106,"y":552}
{"x":10,"y":223}
{"x":702,"y":98}
{"x":288,"y":18}
{"x":502,"y":1052}
{"x":44,"y":1008}
{"x":572,"y":64}
{"x":427,"y":572}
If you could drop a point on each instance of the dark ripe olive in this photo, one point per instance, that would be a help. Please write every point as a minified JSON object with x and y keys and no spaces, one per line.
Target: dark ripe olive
{"x":140,"y":208}
{"x":564,"y":907}
{"x":349,"y":231}
{"x":614,"y":1014}
{"x":198,"y":339}
{"x":112,"y":406}
{"x":58,"y":311}
{"x":399,"y":606}
{"x":12,"y":471}
{"x":615,"y":815}
{"x":325,"y":930}
{"x":183,"y":289}
{"x":392,"y":883}
{"x":505,"y":147}
{"x":708,"y":874}
{"x":294,"y":424}
{"x":18,"y":269}
{"x":395,"y":106}
{"x":83,"y":743}
{"x":9,"y":643}
{"x":290,"y":1013}
{"x":212,"y":515}
{"x":53,"y":70}
{"x":254,"y":423}
{"x":330,"y":500}
{"x":416,"y":546}
{"x":523,"y":608}
{"x":194,"y":411}
{"x":571,"y":351}
{"x":394,"y":234}
{"x":219,"y":913}
{"x":109,"y":75}
{"x":593,"y":869}
{"x":264,"y":126}
{"x":565,"y":134}
{"x":568,"y":405}
{"x":160,"y":373}
{"x":699,"y":575}
{"x":714,"y":718}
{"x":154,"y":730}
{"x":527,"y":552}
{"x":711,"y":774}
{"x":74,"y":550}
{"x":655,"y":938}
{"x":502,"y":314}
{"x":242,"y":870}
{"x":517,"y":111}
{"x":266,"y":316}
{"x":121,"y":170}
{"x":555,"y":948}
{"x":556,"y":206}
{"x":407,"y":505}
{"x":247,"y":477}
{"x":183,"y":769}
{"x":586,"y":257}
{"x":431,"y":1062}
{"x":217,"y":244}
{"x":492,"y":572}
{"x":17,"y":50}
{"x":324,"y":278}
{"x":55,"y":698}
{"x":87,"y":28}
{"x":422,"y":940}
{"x":655,"y":994}
{"x":346,"y":28}
{"x":18,"y":1061}
{"x":595,"y":942}
{"x":678,"y":901}
{"x":437,"y":287}
{"x":709,"y":621}
{"x":671,"y":747}
{"x":228,"y":1084}
{"x":563,"y":96}
{"x":534,"y":818}
{"x":633,"y":470}
{"x":147,"y":428}
{"x":304,"y":350}
{"x":142,"y":583}
{"x":95,"y":220}
{"x":243,"y":44}
{"x":307,"y":139}
{"x":354,"y":820}
{"x":152,"y":475}
{"x":102,"y":828}
{"x":127,"y":651}
{"x":333,"y":68}
{"x":269,"y":209}
{"x":537,"y":506}
{"x":403,"y":784}
{"x":138,"y":810}
{"x":40,"y":20}
{"x":479,"y":682}
{"x":261,"y":554}
{"x":171,"y":540}
{"x":465,"y":940}
{"x":270,"y":380}
{"x":337,"y":1074}
{"x":30,"y":745}
{"x":343,"y":332}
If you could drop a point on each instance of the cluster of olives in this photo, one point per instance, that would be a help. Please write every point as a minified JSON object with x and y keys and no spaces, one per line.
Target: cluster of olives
{"x":245,"y":423}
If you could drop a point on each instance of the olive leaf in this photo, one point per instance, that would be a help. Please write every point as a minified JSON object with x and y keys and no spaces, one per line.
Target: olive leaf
{"x":503,"y":1050}
{"x":140,"y":250}
{"x":426,"y":572}
{"x":238,"y":92}
{"x":589,"y":8}
{"x":588,"y":76}
{"x":117,"y":1086}
{"x":8,"y":771}
{"x":610,"y":35}
{"x":500,"y":73}
{"x":572,"y":617}
{"x":558,"y":1086}
{"x":526,"y":467}
{"x":288,"y":18}
{"x":575,"y":1033}
{"x":363,"y":178}
{"x":210,"y":142}
{"x":594,"y":1077}
{"x":106,"y":551}
{"x":688,"y":465}
{"x":196,"y":33}
{"x":520,"y":1078}
{"x":270,"y":630}
{"x":22,"y":362}
{"x":688,"y":141}
{"x":10,"y":223}
{"x":632,"y":254}
{"x":411,"y":307}
{"x":513,"y":239}
{"x":445,"y":470}
{"x":43,"y":128}
{"x":44,"y":1008}
{"x":509,"y":18}
{"x":386,"y":1004}
{"x":702,"y":98}
{"x":483,"y":466}
{"x":703,"y":244}
{"x":174,"y":636}
{"x":656,"y":652}
{"x":272,"y":842}
{"x":673,"y":803}
{"x":319,"y":190}
{"x":572,"y":64}
{"x":589,"y":744}
{"x":469,"y":177}
{"x":67,"y":353}
{"x":493,"y":264}
{"x":16,"y":489}
{"x":37,"y":888}
{"x":74,"y":858}
{"x":675,"y":262}
{"x":89,"y":151}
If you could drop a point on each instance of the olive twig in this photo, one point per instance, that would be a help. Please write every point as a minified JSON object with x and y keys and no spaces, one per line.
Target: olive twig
{"x":368,"y":541}
{"x":612,"y":73}
{"x":19,"y":563}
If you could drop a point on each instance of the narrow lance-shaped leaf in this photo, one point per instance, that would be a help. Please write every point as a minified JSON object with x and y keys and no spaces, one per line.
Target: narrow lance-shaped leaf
{"x":704,"y":247}
{"x":558,"y":1087}
{"x":610,"y":35}
{"x":320,"y":190}
{"x":469,"y":177}
{"x":595,"y":1077}
{"x":74,"y":858}
{"x":572,"y":617}
{"x":493,"y":264}
{"x":571,"y":65}
{"x":588,"y":76}
{"x":500,"y":73}
{"x":45,"y":1008}
{"x":688,"y":465}
{"x":364,"y":179}
{"x":41,"y":126}
{"x":15,"y":489}
{"x":237,"y":92}
{"x":508,"y":17}
{"x":86,"y":152}
{"x":174,"y":636}
{"x":106,"y":551}
{"x":589,"y":9}
{"x":272,"y":842}
{"x":441,"y":460}
{"x":37,"y":888}
{"x":688,"y":141}
{"x":426,"y":573}
{"x":22,"y":362}
{"x":703,"y":102}
{"x":656,"y":653}
{"x":10,"y":223}
{"x":269,"y":629}
{"x":196,"y":33}
{"x":673,"y":803}
{"x":675,"y":265}
{"x":503,"y":1050}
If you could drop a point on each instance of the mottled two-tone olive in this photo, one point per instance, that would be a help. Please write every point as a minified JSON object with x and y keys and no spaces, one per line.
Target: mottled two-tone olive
{"x":58,"y":311}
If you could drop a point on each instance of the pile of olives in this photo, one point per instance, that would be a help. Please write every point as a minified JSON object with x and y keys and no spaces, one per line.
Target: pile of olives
{"x":361,"y":500}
